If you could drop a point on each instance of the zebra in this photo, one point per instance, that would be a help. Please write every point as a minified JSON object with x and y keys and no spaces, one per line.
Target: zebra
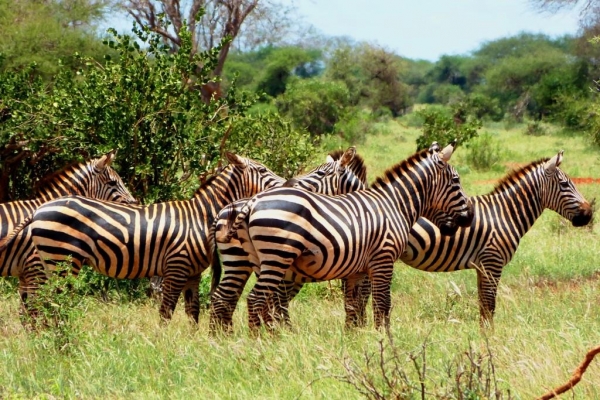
{"x":168,"y":239}
{"x":237,"y":258}
{"x":94,"y":178}
{"x":336,"y":175}
{"x":502,"y":218}
{"x":302,"y":236}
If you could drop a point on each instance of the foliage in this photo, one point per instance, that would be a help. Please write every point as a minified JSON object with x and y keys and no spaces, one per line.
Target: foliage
{"x":441,"y":128}
{"x":535,"y":128}
{"x":284,"y":63}
{"x":59,"y":306}
{"x":314,"y":104}
{"x":141,"y":103}
{"x":483,"y":152}
{"x":482,"y":106}
{"x":42,"y":32}
{"x":357,"y":125}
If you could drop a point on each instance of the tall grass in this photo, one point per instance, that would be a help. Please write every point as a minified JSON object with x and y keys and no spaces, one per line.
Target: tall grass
{"x":547,"y":317}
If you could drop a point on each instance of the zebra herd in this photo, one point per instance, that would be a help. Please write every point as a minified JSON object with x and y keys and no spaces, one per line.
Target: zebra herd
{"x":324,"y":225}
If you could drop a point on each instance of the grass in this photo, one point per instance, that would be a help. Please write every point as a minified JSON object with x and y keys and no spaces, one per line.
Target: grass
{"x":547,"y":318}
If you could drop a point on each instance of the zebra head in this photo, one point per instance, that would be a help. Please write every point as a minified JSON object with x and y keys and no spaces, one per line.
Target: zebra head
{"x":562,"y":196}
{"x":251,"y":176}
{"x":448,"y":196}
{"x":336,"y":176}
{"x":104,"y":182}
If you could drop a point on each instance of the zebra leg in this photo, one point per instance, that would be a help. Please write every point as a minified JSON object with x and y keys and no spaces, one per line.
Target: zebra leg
{"x":278,"y":309}
{"x":32,"y":276}
{"x":487,"y":288}
{"x":173,"y":283}
{"x":356,"y":290}
{"x":225,"y":298}
{"x":261,"y":295}
{"x":192,"y":298}
{"x":381,"y":282}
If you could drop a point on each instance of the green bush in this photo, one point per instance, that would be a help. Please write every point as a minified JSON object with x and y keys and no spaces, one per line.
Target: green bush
{"x":314,"y":104}
{"x":356,"y":126}
{"x":484,"y":152}
{"x":482,"y":106}
{"x":146,"y":103}
{"x":439,"y":127}
{"x":535,"y":128}
{"x":59,"y":307}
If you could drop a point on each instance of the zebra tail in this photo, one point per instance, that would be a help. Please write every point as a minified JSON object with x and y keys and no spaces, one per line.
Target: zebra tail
{"x":5,"y":241}
{"x":235,"y":221}
{"x":215,"y":265}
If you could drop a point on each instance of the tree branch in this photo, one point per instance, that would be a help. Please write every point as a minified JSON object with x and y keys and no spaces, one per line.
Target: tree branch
{"x":575,"y":378}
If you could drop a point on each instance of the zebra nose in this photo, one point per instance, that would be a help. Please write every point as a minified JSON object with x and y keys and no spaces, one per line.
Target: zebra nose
{"x":465,"y":218}
{"x":584,"y":215}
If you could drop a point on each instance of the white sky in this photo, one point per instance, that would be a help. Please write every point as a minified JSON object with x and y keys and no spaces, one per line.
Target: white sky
{"x":428,"y":29}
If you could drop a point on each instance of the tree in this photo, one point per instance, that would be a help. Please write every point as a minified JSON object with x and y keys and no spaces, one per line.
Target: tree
{"x":209,"y":21}
{"x":41,"y":32}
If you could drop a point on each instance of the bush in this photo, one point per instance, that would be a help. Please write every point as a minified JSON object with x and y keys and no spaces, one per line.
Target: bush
{"x":356,"y":126}
{"x":483,"y":152}
{"x":314,"y":104}
{"x":535,"y":128}
{"x":59,"y":307}
{"x":146,"y":102}
{"x":482,"y":106}
{"x":439,"y":127}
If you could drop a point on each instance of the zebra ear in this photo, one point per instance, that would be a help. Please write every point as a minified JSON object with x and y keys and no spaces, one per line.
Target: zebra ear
{"x":106,"y":160}
{"x":236,"y":160}
{"x":446,"y":153}
{"x":554,"y":162}
{"x":348,"y":156}
{"x":434,"y":148}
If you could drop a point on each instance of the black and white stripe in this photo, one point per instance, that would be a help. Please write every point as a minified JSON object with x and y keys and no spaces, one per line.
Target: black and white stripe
{"x":238,"y":257}
{"x":304,"y":237}
{"x":95,"y":179}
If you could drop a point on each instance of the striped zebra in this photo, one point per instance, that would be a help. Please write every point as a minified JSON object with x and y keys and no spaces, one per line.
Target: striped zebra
{"x":167,"y":239}
{"x":236,"y":252}
{"x":336,"y":175}
{"x":502,"y":218}
{"x":302,"y":236}
{"x":95,"y":178}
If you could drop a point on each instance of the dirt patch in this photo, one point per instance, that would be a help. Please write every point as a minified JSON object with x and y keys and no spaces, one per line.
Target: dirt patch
{"x":556,"y":285}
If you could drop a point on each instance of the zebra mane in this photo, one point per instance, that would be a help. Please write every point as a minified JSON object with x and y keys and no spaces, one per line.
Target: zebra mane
{"x":516,"y":175}
{"x":41,"y":185}
{"x":357,"y":165}
{"x":401,"y":167}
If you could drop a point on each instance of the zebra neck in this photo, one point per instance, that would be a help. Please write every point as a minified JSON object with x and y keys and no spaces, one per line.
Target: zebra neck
{"x":214,"y":196}
{"x":71,"y":181}
{"x":404,"y":195}
{"x":520,"y":204}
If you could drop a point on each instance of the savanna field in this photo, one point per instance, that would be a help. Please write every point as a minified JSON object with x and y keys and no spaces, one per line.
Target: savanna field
{"x":547,"y":318}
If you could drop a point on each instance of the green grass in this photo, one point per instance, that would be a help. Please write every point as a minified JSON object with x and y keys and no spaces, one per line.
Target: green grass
{"x":547,"y":318}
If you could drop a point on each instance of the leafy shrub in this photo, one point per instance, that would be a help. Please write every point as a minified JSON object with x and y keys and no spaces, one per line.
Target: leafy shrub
{"x":313,"y":104}
{"x":59,"y":307}
{"x":482,"y":106}
{"x":572,"y":112}
{"x":439,"y":127}
{"x":146,"y":102}
{"x":356,"y":126}
{"x":535,"y":128}
{"x":483,"y":152}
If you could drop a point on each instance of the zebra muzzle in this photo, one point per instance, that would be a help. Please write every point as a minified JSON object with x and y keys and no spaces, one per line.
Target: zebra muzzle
{"x":584,"y":215}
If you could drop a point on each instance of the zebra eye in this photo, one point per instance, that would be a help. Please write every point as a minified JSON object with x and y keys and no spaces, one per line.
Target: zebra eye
{"x":456,"y":180}
{"x":564,"y":184}
{"x":112,"y":183}
{"x":262,"y":170}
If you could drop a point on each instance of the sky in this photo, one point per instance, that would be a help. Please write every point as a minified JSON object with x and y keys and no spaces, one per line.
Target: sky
{"x":428,"y":29}
{"x":424,"y":29}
